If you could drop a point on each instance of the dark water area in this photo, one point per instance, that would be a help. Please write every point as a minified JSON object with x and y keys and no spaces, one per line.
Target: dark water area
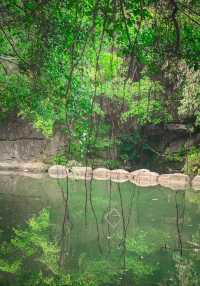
{"x":69,"y":232}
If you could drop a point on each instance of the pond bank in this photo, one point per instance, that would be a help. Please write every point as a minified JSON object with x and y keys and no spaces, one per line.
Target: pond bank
{"x":141,"y":177}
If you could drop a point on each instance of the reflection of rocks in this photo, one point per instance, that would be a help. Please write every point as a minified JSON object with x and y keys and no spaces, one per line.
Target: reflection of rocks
{"x":23,"y":174}
{"x":20,"y":198}
{"x":119,"y":175}
{"x":101,"y":174}
{"x":57,"y":171}
{"x":24,"y":166}
{"x":8,"y":183}
{"x":33,"y":175}
{"x":81,"y":172}
{"x":174,"y":181}
{"x":144,"y":178}
{"x":196,"y":183}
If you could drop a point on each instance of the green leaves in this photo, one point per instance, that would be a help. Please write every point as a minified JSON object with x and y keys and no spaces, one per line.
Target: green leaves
{"x":190,"y":96}
{"x":32,"y":245}
{"x":89,"y":63}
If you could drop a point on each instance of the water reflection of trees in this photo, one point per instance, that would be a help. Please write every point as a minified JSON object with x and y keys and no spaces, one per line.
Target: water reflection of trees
{"x":123,"y":263}
{"x":186,"y":259}
{"x":30,"y":257}
{"x":126,"y":255}
{"x":66,"y":226}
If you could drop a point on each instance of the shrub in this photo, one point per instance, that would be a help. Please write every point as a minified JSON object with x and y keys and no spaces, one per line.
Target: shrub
{"x":192,"y":164}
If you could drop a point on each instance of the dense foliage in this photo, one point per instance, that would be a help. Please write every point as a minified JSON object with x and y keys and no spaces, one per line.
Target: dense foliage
{"x":100,"y":68}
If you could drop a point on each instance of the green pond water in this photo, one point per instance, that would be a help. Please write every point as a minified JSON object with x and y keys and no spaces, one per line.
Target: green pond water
{"x":101,"y":233}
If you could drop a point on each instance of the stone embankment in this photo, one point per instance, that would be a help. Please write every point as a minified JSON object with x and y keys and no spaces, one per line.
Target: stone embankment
{"x":141,"y":177}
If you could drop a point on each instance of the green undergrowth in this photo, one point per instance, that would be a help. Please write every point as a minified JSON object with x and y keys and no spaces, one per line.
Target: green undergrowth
{"x":192,"y":162}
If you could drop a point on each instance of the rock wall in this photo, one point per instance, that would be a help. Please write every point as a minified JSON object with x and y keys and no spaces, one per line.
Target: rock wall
{"x":171,"y":137}
{"x":20,"y":141}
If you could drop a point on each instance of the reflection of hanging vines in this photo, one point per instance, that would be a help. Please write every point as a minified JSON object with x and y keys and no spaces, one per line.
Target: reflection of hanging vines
{"x":107,"y":235}
{"x":66,"y":226}
{"x":133,"y":192}
{"x":179,"y":225}
{"x":95,"y":217}
{"x":124,"y":228}
{"x":86,"y":199}
{"x":109,"y":208}
{"x":124,"y":223}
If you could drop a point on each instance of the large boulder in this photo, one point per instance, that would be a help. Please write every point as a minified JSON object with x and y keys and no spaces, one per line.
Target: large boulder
{"x":101,"y":174}
{"x":176,"y":181}
{"x":119,"y":175}
{"x":144,"y":178}
{"x":81,"y":172}
{"x":196,"y":183}
{"x":58,"y":172}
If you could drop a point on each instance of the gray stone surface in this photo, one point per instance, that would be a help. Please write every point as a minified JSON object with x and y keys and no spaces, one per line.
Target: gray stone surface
{"x":20,"y":141}
{"x":58,"y":171}
{"x":119,"y":175}
{"x":22,"y":149}
{"x":176,"y":181}
{"x":101,"y":174}
{"x":23,"y":174}
{"x":144,"y":178}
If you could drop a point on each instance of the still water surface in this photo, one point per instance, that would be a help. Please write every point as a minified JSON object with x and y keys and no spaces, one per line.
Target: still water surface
{"x":100,"y":233}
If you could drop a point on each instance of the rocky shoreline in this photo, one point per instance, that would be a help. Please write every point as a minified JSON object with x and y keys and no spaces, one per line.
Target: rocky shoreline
{"x":141,"y":177}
